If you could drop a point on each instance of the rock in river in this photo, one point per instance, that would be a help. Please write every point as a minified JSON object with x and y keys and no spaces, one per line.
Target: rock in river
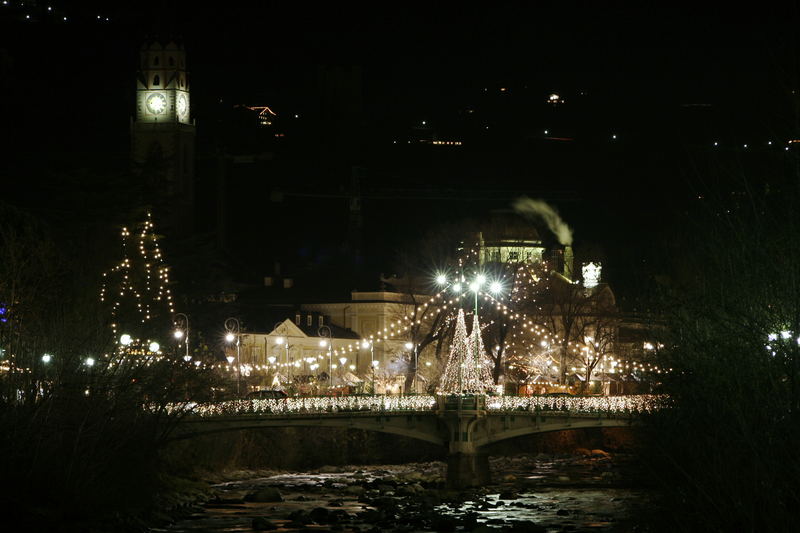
{"x":266,"y":494}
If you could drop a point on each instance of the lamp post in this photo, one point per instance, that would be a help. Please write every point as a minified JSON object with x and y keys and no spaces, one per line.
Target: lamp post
{"x":233,"y":330}
{"x":367,"y":344}
{"x":327,"y":342}
{"x":285,"y":342}
{"x":182,"y":332}
{"x":409,"y":346}
{"x":475,"y":286}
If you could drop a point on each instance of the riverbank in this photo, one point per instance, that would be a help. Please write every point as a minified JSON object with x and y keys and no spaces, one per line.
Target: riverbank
{"x":589,"y":491}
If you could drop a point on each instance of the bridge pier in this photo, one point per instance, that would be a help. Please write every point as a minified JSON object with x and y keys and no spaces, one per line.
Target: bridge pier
{"x":467,"y":468}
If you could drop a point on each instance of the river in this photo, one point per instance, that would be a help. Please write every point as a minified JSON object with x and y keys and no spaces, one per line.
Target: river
{"x":530,"y":493}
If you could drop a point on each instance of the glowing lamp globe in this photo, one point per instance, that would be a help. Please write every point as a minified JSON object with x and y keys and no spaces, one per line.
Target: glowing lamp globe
{"x":46,"y":358}
{"x":178,"y":334}
{"x":89,"y":361}
{"x":279,"y":340}
{"x":125,"y":340}
{"x":457,"y":287}
{"x":271,"y":359}
{"x":409,"y":346}
{"x":230,"y":359}
{"x":441,"y":279}
{"x":365,"y":344}
{"x":154,"y":346}
{"x":229,"y":337}
{"x":495,"y":287}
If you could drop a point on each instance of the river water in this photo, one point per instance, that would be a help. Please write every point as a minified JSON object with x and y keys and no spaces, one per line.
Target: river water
{"x":542,"y":493}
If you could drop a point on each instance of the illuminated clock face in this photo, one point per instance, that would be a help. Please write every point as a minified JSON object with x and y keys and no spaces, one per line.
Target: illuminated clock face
{"x":156,"y":103}
{"x":182,"y":106}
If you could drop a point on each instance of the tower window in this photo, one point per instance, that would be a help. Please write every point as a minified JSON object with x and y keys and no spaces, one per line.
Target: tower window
{"x":171,"y":61}
{"x":156,"y":80}
{"x":309,"y":320}
{"x":155,"y":61}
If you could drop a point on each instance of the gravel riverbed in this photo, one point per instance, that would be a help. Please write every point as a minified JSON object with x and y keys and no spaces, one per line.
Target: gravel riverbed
{"x":592,"y":491}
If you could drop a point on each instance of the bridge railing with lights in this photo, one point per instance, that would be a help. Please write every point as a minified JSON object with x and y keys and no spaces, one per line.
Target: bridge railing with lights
{"x":612,"y":405}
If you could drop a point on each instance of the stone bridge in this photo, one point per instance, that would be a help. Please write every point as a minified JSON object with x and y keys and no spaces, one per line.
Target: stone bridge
{"x":464,"y":425}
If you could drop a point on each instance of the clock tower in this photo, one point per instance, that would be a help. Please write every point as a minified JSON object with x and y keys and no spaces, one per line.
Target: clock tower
{"x":163,"y":133}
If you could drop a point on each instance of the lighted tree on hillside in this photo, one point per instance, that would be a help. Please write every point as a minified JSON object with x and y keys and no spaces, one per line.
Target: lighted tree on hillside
{"x":137,"y":289}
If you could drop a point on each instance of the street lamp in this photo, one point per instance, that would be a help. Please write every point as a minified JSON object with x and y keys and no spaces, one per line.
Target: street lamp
{"x":285,"y":342}
{"x":182,"y":332}
{"x":327,"y":342}
{"x":233,"y":328}
{"x":367,"y":344}
{"x":342,"y":361}
{"x":374,"y":366}
{"x":475,"y":286}
{"x":410,"y":345}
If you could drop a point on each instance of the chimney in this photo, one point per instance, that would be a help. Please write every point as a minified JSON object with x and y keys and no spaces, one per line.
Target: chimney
{"x":557,"y":260}
{"x":568,"y":260}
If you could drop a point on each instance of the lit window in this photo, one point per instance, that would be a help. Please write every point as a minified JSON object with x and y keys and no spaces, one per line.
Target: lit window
{"x":156,"y":80}
{"x":297,"y":319}
{"x":321,"y":321}
{"x":309,"y":320}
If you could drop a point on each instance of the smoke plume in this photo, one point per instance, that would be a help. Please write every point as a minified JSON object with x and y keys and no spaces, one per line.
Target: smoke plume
{"x":540,"y":209}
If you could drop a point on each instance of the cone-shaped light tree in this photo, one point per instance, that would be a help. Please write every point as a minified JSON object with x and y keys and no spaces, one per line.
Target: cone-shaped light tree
{"x":137,"y":291}
{"x":453,"y":376}
{"x":481,"y":374}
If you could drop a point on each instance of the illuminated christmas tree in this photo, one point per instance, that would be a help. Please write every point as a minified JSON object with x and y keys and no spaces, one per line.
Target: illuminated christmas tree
{"x":137,"y":291}
{"x":480,"y":374}
{"x":453,"y":378}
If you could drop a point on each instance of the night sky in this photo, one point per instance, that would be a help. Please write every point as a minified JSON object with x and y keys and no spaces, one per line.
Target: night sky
{"x":668,"y":82}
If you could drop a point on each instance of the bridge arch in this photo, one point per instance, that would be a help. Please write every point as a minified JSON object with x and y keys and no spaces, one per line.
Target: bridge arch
{"x":420,"y":427}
